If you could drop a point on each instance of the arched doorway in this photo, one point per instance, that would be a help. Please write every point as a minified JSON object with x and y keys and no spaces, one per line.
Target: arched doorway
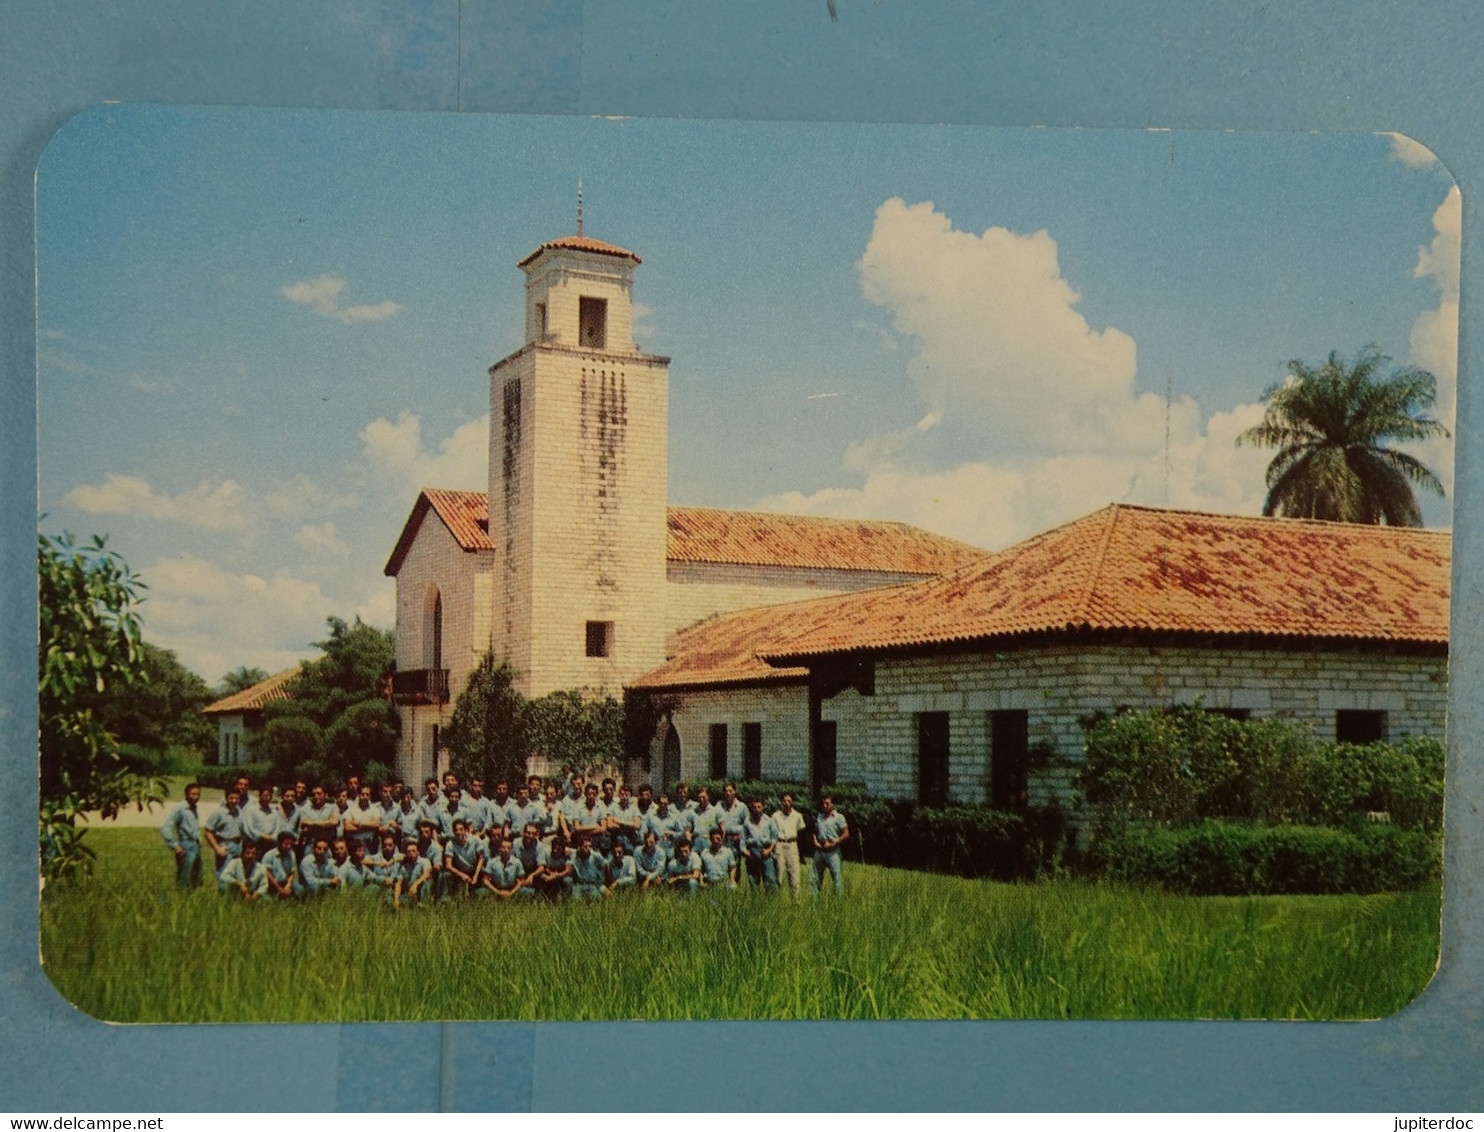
{"x":670,"y":763}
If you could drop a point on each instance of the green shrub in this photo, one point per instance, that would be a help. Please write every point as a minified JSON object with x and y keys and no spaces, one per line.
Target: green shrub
{"x":257,"y":773}
{"x":1226,"y":858}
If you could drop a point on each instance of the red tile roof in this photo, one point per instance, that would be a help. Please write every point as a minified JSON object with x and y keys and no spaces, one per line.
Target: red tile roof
{"x":755,"y":538}
{"x":751,"y":538}
{"x":464,"y":513}
{"x":1145,"y":570}
{"x":250,"y":699}
{"x":582,"y":244}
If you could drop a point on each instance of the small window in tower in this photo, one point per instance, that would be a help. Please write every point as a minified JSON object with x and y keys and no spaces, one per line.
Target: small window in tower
{"x":599,"y":638}
{"x":592,"y":323}
{"x":541,"y":330}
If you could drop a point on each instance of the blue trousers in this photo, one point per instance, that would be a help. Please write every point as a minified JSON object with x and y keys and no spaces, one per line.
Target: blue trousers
{"x":188,"y":867}
{"x":827,"y":860}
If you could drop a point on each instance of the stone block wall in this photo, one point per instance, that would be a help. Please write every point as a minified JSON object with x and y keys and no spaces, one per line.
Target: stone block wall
{"x":782,"y":711}
{"x":1058,"y":686}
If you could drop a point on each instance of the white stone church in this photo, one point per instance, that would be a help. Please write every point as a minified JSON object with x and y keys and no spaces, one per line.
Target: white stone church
{"x":827,"y":650}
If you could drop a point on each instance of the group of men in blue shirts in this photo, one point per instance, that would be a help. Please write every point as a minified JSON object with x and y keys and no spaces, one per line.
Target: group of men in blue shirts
{"x":582,"y":840}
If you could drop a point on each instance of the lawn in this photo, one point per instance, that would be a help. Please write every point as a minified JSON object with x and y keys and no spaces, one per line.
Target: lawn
{"x":127,"y":947}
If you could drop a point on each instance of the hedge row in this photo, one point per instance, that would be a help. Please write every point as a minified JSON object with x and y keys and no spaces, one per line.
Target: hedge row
{"x":1217,"y":858}
{"x":1184,"y":764}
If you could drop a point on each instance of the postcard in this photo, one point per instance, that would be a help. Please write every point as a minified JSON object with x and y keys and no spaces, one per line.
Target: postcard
{"x":570,"y":569}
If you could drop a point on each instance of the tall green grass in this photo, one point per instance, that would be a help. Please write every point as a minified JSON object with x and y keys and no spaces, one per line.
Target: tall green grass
{"x":127,"y":947}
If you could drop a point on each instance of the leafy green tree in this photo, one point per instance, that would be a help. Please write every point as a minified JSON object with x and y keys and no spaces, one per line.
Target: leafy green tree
{"x":486,"y":736}
{"x":240,"y":679}
{"x":288,"y":743}
{"x":574,"y":727}
{"x":1331,"y":423}
{"x":364,"y":733}
{"x":89,"y":643}
{"x":357,"y":661}
{"x":159,"y":710}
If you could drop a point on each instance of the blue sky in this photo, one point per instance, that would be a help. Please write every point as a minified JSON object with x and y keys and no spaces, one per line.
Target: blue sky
{"x":260,"y":332}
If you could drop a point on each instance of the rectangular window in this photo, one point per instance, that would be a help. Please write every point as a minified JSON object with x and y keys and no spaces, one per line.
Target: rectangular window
{"x":718,"y":750}
{"x":752,"y":750}
{"x":1237,"y":713}
{"x":599,"y":638}
{"x":541,"y":331}
{"x":1360,"y":727}
{"x":1009,"y":759}
{"x":592,"y":323}
{"x":932,"y":758}
{"x":822,"y":751}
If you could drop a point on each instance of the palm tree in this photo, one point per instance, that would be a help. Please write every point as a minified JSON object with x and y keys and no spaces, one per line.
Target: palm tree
{"x":1329,"y":424}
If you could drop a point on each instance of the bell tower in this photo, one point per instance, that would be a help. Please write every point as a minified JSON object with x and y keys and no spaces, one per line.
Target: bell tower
{"x":579,"y":422}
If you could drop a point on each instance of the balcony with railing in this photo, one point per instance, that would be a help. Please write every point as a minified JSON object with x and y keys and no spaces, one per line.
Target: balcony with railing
{"x":420,"y":686}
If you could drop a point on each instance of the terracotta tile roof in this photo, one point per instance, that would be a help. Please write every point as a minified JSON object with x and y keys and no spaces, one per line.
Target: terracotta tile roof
{"x":725,"y":649}
{"x":581,"y":244}
{"x":752,"y":538}
{"x":1140,"y":569}
{"x":250,"y":699}
{"x":464,"y":513}
{"x":755,"y":538}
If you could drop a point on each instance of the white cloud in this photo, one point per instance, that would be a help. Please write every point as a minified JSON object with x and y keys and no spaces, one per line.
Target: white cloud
{"x":323,"y":292}
{"x":999,"y":347}
{"x":998,"y":339}
{"x":214,"y":508}
{"x":215,"y":619}
{"x":1411,"y":153}
{"x":395,"y":454}
{"x":301,"y":497}
{"x":1434,"y":338}
{"x":321,"y":541}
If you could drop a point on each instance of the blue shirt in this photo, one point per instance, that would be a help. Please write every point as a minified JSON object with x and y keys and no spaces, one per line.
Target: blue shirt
{"x":716,"y":865}
{"x":731,"y":820}
{"x":588,"y":871}
{"x":757,"y":836}
{"x":465,"y":857}
{"x":285,"y":822}
{"x":504,"y":874}
{"x":477,"y":811}
{"x":829,"y":828}
{"x":447,"y":817}
{"x":316,"y":875}
{"x":226,"y":825}
{"x":666,"y":829}
{"x":356,"y":876}
{"x":702,"y":822}
{"x":623,"y":874}
{"x":182,"y":827}
{"x":649,"y":866}
{"x":531,"y":857}
{"x":406,"y":820}
{"x":628,"y":817}
{"x":410,"y":872}
{"x":679,"y":866}
{"x":232,"y":875}
{"x":324,"y":820}
{"x":282,"y":865}
{"x":259,"y":824}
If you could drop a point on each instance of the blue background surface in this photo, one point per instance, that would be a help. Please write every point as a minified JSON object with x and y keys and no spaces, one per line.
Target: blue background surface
{"x":1315,"y":65}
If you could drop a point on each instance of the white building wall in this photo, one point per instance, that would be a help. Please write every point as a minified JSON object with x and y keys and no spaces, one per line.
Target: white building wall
{"x":1058,"y":686}
{"x":465,"y":581}
{"x":232,"y":742}
{"x":782,"y":711}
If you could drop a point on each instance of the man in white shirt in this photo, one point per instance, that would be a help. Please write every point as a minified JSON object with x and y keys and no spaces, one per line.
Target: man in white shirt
{"x":790,"y":825}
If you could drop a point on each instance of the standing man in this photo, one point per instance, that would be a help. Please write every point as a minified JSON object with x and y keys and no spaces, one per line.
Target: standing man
{"x":830,"y":832}
{"x":759,"y":839}
{"x":789,"y":824}
{"x":703,"y":818}
{"x":451,"y":813}
{"x":477,"y":810}
{"x":588,"y":819}
{"x":288,"y":816}
{"x":668,"y":825}
{"x":731,"y":815}
{"x":260,"y":822}
{"x":223,"y":830}
{"x":182,"y":832}
{"x":624,"y":818}
{"x":363,"y":820}
{"x":319,"y":818}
